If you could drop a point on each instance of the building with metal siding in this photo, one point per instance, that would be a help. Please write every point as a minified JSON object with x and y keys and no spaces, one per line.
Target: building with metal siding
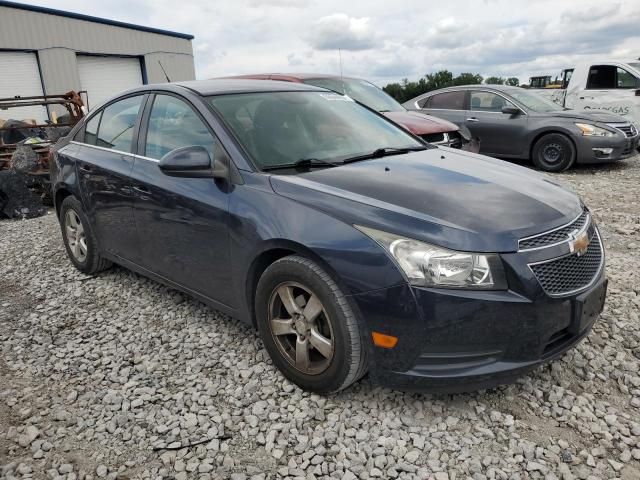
{"x":79,"y":52}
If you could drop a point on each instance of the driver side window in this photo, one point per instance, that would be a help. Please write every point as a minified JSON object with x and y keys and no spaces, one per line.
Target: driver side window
{"x":625,"y":80}
{"x":488,"y":102}
{"x":174,"y":124}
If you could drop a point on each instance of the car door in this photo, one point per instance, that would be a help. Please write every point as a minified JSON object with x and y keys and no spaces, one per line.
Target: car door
{"x":182,"y":222}
{"x":499,"y":133}
{"x":104,"y":162}
{"x":448,"y":105}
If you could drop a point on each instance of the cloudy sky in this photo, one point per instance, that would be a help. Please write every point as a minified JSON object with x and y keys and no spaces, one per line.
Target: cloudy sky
{"x":386,"y":41}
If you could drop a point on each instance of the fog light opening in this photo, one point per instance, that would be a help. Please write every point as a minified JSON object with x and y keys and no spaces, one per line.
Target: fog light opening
{"x":602,"y":152}
{"x":384,"y":341}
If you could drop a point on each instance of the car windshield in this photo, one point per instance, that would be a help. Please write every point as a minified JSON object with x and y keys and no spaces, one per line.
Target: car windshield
{"x":282,"y":128}
{"x":636,"y":65}
{"x":535,"y":102}
{"x":361,"y":91}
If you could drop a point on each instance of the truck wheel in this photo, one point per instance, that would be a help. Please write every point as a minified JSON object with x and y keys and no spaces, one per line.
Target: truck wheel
{"x":79,"y":240}
{"x":307,"y":326}
{"x":553,"y":152}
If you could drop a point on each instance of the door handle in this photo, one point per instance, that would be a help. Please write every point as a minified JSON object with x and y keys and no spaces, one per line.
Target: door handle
{"x":142,"y":189}
{"x":472,"y":119}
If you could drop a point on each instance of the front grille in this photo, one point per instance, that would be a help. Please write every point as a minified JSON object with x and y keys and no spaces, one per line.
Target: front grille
{"x":627,"y":128}
{"x":553,"y":237}
{"x":570,"y":273}
{"x":436,"y":138}
{"x":447,"y":139}
{"x":455,"y":140}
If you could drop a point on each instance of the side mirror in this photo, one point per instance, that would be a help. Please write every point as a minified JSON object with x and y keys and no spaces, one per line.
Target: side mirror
{"x":192,"y":162}
{"x":511,"y":110}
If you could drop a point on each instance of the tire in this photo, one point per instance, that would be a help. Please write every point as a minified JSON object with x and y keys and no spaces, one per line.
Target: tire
{"x":290,"y":283}
{"x":554,"y":152}
{"x":83,"y":252}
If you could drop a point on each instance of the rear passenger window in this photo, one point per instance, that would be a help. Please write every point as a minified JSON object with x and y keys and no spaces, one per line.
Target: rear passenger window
{"x":424,"y":103}
{"x":91,"y":129}
{"x":448,"y":101}
{"x":602,"y":77}
{"x":174,"y":124}
{"x":117,"y":124}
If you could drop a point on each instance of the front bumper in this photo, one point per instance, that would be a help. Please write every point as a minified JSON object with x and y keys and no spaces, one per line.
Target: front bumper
{"x":600,"y":150}
{"x":454,"y":340}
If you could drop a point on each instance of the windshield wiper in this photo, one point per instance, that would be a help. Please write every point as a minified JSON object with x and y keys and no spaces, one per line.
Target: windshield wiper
{"x":383,"y":152}
{"x":302,"y":163}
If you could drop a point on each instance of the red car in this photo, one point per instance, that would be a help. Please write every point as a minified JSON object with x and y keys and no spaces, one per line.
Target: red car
{"x":429,"y":128}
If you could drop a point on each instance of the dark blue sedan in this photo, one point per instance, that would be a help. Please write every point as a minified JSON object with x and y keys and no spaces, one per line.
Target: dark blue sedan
{"x":350,"y":244}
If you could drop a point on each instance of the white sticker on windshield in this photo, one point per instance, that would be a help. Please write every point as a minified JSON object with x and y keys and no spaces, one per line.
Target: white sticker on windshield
{"x":336,"y":97}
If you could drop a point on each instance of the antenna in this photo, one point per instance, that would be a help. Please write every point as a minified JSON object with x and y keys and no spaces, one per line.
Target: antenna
{"x":341,"y":77}
{"x":164,"y":71}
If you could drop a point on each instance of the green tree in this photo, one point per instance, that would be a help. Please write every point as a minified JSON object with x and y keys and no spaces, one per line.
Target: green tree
{"x":513,"y":81}
{"x":406,"y":90}
{"x":494,"y":81}
{"x":468,"y":79}
{"x":396,"y":90}
{"x":441,"y":79}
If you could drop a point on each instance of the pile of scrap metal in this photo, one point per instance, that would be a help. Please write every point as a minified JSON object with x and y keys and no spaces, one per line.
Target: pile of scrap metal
{"x":24,"y":151}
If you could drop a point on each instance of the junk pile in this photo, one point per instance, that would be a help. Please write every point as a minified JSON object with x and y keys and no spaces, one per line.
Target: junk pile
{"x":24,"y":152}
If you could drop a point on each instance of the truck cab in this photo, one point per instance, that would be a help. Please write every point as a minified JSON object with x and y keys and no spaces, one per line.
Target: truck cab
{"x":611,"y":86}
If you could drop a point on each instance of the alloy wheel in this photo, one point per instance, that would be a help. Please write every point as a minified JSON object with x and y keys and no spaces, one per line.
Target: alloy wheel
{"x":76,"y":237}
{"x":301,"y":328}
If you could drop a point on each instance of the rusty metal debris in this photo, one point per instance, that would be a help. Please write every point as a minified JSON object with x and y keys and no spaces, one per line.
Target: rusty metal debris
{"x":24,"y":150}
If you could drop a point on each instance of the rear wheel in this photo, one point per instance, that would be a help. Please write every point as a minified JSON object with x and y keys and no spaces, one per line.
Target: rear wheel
{"x":307,"y":326}
{"x":554,"y":152}
{"x":79,"y":240}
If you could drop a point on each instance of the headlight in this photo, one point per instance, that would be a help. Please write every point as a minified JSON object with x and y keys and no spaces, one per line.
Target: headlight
{"x":427,"y":265}
{"x":589,"y":130}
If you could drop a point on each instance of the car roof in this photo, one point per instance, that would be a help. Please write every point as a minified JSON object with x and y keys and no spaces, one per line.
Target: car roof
{"x":295,"y":76}
{"x":480,"y":86}
{"x":227,"y":86}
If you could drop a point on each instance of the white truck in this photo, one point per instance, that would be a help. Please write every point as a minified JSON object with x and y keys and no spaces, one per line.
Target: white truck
{"x":613,"y":86}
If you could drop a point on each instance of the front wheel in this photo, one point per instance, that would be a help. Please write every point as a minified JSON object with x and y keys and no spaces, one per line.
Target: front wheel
{"x":554,"y":152}
{"x":307,"y":326}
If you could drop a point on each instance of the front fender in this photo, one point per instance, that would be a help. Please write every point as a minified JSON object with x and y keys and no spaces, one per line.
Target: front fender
{"x":261,"y":220}
{"x":537,"y":133}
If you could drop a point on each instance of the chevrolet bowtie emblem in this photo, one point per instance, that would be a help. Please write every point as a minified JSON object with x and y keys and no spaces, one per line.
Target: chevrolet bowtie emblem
{"x":578,"y":242}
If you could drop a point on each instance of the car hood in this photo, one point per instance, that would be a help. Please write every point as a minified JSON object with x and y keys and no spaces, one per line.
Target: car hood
{"x":420,"y":123}
{"x":588,"y":115}
{"x":455,"y":199}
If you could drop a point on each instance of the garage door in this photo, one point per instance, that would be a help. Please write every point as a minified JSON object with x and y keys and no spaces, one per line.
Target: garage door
{"x":20,"y":75}
{"x":105,"y":77}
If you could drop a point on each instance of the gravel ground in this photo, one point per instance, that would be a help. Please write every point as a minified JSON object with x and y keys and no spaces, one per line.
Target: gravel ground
{"x":119,"y":377}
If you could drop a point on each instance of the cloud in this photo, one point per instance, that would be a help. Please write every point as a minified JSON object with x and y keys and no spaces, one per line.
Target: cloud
{"x":341,"y":31}
{"x":280,"y":3}
{"x":384,"y":42}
